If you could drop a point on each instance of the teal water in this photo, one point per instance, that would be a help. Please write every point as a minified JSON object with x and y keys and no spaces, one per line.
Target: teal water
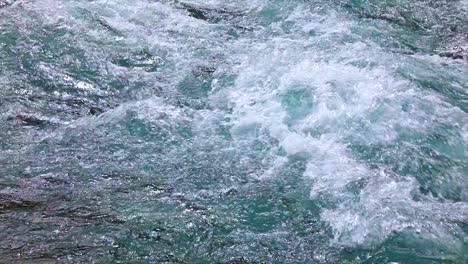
{"x":236,"y":131}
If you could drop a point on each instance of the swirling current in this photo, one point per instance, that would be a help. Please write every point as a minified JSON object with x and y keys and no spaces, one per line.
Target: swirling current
{"x":234,"y":131}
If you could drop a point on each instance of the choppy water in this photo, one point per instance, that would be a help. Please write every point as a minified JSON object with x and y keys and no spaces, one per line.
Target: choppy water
{"x":236,"y":131}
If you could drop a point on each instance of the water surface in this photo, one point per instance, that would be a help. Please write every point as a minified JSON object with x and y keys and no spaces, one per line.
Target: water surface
{"x":236,"y":131}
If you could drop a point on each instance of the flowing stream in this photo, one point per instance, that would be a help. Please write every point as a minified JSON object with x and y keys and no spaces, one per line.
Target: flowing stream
{"x":234,"y":131}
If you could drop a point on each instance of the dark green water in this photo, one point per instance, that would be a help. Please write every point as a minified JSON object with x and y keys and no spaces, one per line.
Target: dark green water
{"x":233,"y":131}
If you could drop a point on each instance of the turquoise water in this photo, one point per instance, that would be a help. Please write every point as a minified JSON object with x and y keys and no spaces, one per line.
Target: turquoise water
{"x":233,"y":131}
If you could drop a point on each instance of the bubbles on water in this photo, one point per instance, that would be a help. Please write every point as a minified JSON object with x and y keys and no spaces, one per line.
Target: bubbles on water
{"x":357,"y":98}
{"x":227,"y":128}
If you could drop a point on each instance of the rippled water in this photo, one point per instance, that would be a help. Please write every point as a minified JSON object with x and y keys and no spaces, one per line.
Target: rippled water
{"x":236,"y":131}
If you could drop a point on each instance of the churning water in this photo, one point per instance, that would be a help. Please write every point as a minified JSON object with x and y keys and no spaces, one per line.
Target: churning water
{"x":235,"y":131}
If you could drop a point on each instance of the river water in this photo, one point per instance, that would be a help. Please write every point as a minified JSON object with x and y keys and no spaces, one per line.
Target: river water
{"x":236,"y":131}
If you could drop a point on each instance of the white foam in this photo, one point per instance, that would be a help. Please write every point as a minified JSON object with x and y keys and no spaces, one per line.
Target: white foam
{"x":351,"y":104}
